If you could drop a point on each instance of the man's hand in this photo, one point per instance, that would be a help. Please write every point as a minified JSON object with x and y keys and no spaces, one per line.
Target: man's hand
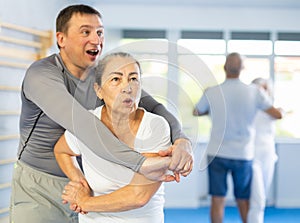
{"x":182,"y":157}
{"x":75,"y":193}
{"x":155,"y":168}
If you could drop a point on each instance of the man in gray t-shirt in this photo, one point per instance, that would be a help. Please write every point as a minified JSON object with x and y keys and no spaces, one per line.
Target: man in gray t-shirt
{"x":56,"y":93}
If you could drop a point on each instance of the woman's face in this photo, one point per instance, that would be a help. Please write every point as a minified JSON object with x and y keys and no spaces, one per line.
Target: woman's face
{"x":121,"y":85}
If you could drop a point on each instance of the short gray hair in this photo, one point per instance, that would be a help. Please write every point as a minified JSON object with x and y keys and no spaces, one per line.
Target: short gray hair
{"x":99,"y":70}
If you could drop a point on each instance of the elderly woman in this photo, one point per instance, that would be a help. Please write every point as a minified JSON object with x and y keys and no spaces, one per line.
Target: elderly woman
{"x":115,"y":188}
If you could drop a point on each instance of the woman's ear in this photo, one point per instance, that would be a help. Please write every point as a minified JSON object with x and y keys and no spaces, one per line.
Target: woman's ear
{"x":98,"y":91}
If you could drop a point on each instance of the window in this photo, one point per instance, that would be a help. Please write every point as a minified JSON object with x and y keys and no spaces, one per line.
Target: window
{"x":255,"y":67}
{"x":287,"y":82}
{"x":201,"y":46}
{"x":286,"y":91}
{"x":151,"y":49}
{"x":177,"y":74}
{"x":201,"y":71}
{"x":250,"y":43}
{"x":287,"y":44}
{"x":201,"y":57}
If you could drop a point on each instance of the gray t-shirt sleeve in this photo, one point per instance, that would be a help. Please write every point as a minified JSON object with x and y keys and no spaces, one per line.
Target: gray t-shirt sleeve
{"x":44,"y":86}
{"x":151,"y":105}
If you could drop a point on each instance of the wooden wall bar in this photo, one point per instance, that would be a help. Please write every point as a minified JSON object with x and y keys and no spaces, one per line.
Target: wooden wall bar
{"x":19,"y":47}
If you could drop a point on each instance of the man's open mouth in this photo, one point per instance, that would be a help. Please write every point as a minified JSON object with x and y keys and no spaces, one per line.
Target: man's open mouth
{"x":92,"y":52}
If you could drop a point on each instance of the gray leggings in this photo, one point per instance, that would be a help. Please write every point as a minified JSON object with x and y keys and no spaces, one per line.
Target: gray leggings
{"x":36,"y":197}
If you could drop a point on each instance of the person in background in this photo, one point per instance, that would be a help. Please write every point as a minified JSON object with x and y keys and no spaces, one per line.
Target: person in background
{"x":230,"y":149}
{"x":118,"y":84}
{"x":264,"y":158}
{"x":56,"y":93}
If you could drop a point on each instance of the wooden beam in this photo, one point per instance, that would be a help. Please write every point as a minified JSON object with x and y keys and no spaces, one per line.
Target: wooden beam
{"x":46,"y":44}
{"x":43,"y":43}
{"x":7,"y":161}
{"x":4,"y":210}
{"x":5,"y":185}
{"x":8,"y":137}
{"x":10,"y":113}
{"x":24,"y":29}
{"x":10,"y":88}
{"x":21,"y":42}
{"x":17,"y":54}
{"x":14,"y":64}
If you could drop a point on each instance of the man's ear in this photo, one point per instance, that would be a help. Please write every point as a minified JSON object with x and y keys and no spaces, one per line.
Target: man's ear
{"x":60,"y":38}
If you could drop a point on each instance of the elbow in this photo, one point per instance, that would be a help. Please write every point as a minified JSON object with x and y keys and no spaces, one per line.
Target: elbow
{"x":195,"y":112}
{"x":275,"y":113}
{"x":140,"y":198}
{"x":141,"y":202}
{"x":279,"y":114}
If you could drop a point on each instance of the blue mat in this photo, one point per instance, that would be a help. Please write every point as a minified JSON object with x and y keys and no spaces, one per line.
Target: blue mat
{"x":201,"y":215}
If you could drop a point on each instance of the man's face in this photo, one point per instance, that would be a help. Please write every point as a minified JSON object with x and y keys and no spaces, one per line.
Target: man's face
{"x":82,"y":44}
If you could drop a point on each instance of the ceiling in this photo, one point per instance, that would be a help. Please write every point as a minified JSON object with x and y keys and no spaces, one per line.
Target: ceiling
{"x":209,"y":3}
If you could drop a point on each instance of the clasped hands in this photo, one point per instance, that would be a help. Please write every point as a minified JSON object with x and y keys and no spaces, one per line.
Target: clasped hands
{"x":180,"y":162}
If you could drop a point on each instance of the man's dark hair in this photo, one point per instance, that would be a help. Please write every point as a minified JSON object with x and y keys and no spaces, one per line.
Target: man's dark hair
{"x":65,"y":15}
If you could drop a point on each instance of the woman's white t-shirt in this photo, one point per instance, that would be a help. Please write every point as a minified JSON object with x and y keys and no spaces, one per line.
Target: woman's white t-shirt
{"x":105,"y":177}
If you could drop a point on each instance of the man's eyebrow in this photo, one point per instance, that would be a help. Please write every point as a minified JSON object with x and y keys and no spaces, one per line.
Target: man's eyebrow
{"x":89,"y":26}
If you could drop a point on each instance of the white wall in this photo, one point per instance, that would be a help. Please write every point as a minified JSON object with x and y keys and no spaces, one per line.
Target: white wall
{"x":38,"y":14}
{"x":192,"y":192}
{"x":199,"y":17}
{"x":287,"y":180}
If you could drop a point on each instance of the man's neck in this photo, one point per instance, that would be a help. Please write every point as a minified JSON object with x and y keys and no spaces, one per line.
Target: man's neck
{"x":74,"y":70}
{"x":232,"y":76}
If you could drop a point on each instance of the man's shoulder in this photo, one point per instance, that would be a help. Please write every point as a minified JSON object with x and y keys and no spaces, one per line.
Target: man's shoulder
{"x":50,"y":62}
{"x":49,"y":59}
{"x":44,"y":67}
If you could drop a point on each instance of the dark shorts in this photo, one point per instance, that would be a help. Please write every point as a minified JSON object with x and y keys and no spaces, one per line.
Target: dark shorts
{"x":241,"y":171}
